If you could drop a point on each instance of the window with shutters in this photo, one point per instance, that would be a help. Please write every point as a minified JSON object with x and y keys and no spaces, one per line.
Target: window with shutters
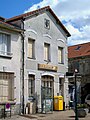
{"x":60,"y":55}
{"x":46,"y":52}
{"x":6,"y":86}
{"x":31,"y":85}
{"x":31,"y":48}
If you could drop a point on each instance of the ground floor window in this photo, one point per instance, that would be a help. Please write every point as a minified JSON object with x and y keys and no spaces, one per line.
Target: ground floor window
{"x":61,"y":82}
{"x":6,"y":86}
{"x":31,"y":85}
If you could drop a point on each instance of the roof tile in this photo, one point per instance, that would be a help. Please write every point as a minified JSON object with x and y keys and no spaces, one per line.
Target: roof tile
{"x":79,"y":50}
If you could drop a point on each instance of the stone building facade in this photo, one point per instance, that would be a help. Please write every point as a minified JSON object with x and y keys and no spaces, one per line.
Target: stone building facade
{"x":79,"y":58}
{"x":45,"y":57}
{"x":10,"y":65}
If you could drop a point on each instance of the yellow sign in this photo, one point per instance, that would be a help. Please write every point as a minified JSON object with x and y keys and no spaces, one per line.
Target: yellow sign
{"x":47,"y":67}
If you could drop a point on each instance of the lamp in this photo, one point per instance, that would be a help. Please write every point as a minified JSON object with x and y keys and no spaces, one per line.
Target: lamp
{"x":76,"y":115}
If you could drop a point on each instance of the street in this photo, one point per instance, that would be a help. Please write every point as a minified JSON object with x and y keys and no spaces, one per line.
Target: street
{"x":56,"y":115}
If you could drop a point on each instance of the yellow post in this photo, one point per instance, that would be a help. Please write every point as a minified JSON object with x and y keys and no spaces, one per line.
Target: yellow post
{"x":58,"y":103}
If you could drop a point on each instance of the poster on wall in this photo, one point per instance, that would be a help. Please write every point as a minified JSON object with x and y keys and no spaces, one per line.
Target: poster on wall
{"x":47,"y":105}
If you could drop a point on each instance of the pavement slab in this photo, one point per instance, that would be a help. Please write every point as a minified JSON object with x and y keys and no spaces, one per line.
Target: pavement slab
{"x":56,"y":115}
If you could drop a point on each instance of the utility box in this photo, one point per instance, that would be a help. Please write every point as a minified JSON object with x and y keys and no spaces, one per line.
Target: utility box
{"x":31,"y":108}
{"x":58,"y":103}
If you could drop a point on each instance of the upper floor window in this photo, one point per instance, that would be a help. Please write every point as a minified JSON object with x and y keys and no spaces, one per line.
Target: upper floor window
{"x":47,"y":23}
{"x":60,"y":55}
{"x":31,"y":48}
{"x":5,"y":44}
{"x":46,"y":52}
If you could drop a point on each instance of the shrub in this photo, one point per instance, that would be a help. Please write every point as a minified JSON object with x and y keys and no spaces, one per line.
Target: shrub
{"x":82,"y":106}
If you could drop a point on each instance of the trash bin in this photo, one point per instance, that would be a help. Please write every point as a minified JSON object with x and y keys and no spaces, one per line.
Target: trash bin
{"x":58,"y":103}
{"x":70,"y":104}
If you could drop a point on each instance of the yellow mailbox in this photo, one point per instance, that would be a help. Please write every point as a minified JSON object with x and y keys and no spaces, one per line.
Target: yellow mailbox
{"x":58,"y":103}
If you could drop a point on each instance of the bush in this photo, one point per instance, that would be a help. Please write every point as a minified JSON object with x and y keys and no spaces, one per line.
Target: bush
{"x":82,"y":106}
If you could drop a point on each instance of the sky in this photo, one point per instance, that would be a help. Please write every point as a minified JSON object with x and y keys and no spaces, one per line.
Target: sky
{"x":74,"y":14}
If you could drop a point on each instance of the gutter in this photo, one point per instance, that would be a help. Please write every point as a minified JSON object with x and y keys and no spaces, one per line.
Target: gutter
{"x":22,"y":95}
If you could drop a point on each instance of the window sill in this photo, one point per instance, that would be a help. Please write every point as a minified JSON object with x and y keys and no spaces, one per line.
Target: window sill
{"x":4,"y":102}
{"x":31,"y":58}
{"x":6,"y":56}
{"x":31,"y":97}
{"x":47,"y":61}
{"x":60,"y":63}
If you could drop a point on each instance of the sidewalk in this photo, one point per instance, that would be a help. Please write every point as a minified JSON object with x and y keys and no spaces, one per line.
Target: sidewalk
{"x":61,"y":115}
{"x":56,"y":115}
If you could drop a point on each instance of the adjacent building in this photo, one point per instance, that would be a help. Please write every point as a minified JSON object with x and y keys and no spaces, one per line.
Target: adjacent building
{"x":79,"y":58}
{"x":10,"y":63}
{"x":44,"y":61}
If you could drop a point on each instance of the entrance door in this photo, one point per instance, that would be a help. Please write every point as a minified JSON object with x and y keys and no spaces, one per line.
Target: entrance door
{"x":47,"y":89}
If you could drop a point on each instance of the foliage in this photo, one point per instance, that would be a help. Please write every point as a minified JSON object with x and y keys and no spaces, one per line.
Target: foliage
{"x":82,"y":106}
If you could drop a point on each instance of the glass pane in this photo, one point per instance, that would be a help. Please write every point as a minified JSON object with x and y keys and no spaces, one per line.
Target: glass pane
{"x":1,"y":43}
{"x":31,"y":85}
{"x":5,"y":43}
{"x":8,"y":45}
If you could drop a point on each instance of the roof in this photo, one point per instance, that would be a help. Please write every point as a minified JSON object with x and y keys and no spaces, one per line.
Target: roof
{"x":10,"y":27}
{"x":47,"y":8}
{"x":1,"y":18}
{"x":79,"y":50}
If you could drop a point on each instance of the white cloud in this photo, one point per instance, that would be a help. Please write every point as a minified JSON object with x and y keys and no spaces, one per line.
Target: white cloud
{"x":75,"y":15}
{"x":78,"y":36}
{"x":52,"y":3}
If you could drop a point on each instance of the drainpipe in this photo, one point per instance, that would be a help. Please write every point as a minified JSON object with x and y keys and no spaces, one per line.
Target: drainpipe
{"x":22,"y":34}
